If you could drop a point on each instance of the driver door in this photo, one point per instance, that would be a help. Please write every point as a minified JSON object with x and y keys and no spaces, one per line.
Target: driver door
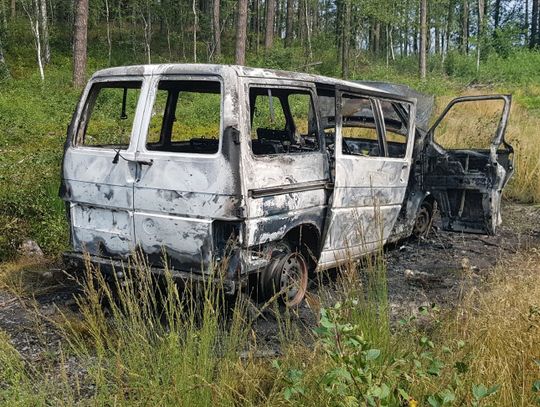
{"x":468,"y":162}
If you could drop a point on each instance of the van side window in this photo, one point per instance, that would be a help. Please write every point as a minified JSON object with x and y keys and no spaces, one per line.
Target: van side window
{"x":186,"y":117}
{"x":108,"y":115}
{"x":358,"y":127}
{"x":395,"y":122}
{"x":282,"y":121}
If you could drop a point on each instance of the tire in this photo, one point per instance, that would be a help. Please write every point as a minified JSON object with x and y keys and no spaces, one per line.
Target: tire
{"x":424,"y":220}
{"x":286,"y":276}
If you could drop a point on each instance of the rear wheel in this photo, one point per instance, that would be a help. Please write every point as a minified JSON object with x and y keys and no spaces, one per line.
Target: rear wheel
{"x":285,"y":277}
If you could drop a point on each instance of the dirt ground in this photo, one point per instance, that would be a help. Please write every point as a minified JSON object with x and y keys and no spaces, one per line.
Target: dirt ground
{"x":420,"y":272}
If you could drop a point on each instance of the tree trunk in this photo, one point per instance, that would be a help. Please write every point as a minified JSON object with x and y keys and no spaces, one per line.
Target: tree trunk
{"x":4,"y":71}
{"x":465,"y":27}
{"x":257,"y":24}
{"x":109,"y":41}
{"x":45,"y":31}
{"x":217,"y":29}
{"x":301,"y":21}
{"x":289,"y":29}
{"x":269,"y":30}
{"x":496,"y":15}
{"x":533,"y":40}
{"x":449,"y":23}
{"x":13,"y":9}
{"x":377,"y":38}
{"x":481,"y":11}
{"x":241,"y":32}
{"x":308,"y":32}
{"x":526,"y":24}
{"x":423,"y":38}
{"x":346,"y":41}
{"x":4,"y":15}
{"x":80,"y":33}
{"x":33,"y":17}
{"x":437,"y":39}
{"x":195,"y":28}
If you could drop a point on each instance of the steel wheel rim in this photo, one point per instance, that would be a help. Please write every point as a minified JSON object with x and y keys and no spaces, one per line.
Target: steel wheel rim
{"x":293,"y":278}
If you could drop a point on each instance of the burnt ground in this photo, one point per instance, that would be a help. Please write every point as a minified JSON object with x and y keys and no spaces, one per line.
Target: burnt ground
{"x":420,"y":272}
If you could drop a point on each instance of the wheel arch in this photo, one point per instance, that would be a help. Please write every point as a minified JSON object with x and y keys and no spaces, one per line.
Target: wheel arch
{"x":306,"y":237}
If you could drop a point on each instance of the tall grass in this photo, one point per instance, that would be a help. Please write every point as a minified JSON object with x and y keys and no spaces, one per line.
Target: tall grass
{"x":137,"y":342}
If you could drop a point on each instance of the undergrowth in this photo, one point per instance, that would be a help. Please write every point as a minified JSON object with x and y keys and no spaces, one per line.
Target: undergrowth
{"x":142,"y":343}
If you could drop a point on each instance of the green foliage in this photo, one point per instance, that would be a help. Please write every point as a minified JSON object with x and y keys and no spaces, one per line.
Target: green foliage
{"x":33,"y":119}
{"x":356,"y":375}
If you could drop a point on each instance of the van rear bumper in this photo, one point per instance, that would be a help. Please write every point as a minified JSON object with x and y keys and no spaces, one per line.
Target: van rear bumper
{"x":77,"y":261}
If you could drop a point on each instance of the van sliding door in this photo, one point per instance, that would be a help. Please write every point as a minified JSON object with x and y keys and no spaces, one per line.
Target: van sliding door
{"x":373,"y":147}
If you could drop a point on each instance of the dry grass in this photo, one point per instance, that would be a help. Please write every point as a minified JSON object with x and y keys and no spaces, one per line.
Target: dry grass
{"x":494,"y":338}
{"x":26,"y":276}
{"x":501,"y":326}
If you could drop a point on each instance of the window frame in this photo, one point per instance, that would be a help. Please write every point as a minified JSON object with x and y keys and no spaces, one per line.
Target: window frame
{"x":375,"y":106}
{"x":303,"y":88}
{"x":141,"y":145}
{"x":379,"y":118}
{"x":83,"y":118}
{"x":407,"y":125}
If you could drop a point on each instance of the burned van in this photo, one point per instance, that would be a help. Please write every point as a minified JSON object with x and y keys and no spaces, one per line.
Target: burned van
{"x":263,"y":175}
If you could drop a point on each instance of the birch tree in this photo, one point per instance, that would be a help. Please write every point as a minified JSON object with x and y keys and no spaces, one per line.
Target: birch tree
{"x":44,"y":26}
{"x":32,"y":10}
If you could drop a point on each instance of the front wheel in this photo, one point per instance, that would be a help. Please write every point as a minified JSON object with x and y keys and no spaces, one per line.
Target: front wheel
{"x":424,"y":219}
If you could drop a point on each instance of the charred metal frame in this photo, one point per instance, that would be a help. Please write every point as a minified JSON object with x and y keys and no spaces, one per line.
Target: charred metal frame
{"x":198,"y":209}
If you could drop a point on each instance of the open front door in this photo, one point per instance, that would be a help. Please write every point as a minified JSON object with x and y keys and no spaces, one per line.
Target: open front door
{"x":467,"y":162}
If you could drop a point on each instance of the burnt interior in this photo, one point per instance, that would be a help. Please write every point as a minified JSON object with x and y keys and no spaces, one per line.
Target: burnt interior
{"x":286,"y":137}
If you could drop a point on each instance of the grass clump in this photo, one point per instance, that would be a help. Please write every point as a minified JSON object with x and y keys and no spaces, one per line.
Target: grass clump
{"x":156,"y":345}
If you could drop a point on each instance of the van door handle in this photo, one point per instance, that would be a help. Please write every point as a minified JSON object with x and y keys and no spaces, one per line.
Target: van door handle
{"x":404,"y":168}
{"x":145,"y":162}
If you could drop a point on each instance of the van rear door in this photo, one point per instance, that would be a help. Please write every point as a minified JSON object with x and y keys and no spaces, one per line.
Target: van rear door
{"x":98,"y":170}
{"x":468,"y":162}
{"x":188,"y":183}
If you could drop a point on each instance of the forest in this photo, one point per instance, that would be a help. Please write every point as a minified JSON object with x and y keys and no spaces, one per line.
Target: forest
{"x":449,"y":319}
{"x":338,"y":38}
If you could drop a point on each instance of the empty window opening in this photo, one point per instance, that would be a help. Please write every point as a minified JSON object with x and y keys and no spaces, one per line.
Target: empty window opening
{"x":282,"y":121}
{"x":108,"y":115}
{"x":186,"y":117}
{"x":470,"y":125}
{"x":359,"y":129}
{"x":395,"y":117}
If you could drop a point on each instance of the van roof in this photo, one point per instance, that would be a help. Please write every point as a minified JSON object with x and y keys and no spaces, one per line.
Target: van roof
{"x":215,"y":69}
